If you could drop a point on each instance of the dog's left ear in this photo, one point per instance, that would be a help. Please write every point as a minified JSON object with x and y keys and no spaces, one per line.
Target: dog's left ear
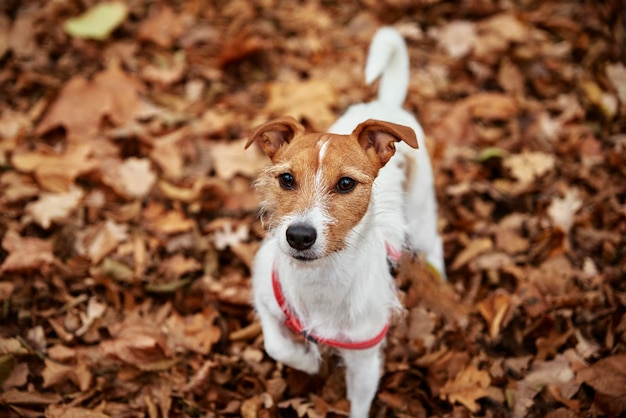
{"x":380,"y":137}
{"x":273,"y":134}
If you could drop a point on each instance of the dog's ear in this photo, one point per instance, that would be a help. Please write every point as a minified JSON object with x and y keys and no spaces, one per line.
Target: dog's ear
{"x":273,"y":134}
{"x":379,"y":137}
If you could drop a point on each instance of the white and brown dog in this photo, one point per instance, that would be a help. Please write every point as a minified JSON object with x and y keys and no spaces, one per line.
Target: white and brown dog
{"x":338,"y":207}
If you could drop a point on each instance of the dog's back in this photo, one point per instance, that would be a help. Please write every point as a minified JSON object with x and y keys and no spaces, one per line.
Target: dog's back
{"x":405,"y":201}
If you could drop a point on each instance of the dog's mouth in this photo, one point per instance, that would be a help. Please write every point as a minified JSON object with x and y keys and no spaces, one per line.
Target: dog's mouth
{"x":304,"y":257}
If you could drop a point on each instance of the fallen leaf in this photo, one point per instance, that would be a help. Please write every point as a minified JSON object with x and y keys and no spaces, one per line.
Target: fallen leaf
{"x":57,"y":172}
{"x":81,"y":104}
{"x":470,"y":385}
{"x":29,"y":398}
{"x":135,"y":177}
{"x":457,"y":38}
{"x":475,"y":248}
{"x":229,"y":160}
{"x":98,"y":22}
{"x":101,"y":240}
{"x":160,"y":221}
{"x":162,"y":27}
{"x":562,"y":210}
{"x":194,"y":332}
{"x":178,"y":265}
{"x":54,"y":207}
{"x":310,"y":100}
{"x":69,"y":411}
{"x":607,"y":375}
{"x":616,"y":73}
{"x":529,"y":165}
{"x":25,"y":253}
{"x":494,"y":310}
{"x":555,"y":372}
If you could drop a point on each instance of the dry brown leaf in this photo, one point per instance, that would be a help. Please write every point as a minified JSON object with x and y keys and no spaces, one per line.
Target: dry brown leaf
{"x":25,"y":253}
{"x":69,"y":411}
{"x":457,"y":38}
{"x":81,"y":104}
{"x":167,"y":153}
{"x":167,"y":71}
{"x":494,"y":310}
{"x":135,"y":177}
{"x":54,"y":207}
{"x":562,"y":210}
{"x":467,"y":387}
{"x":16,"y":397}
{"x":529,"y":165}
{"x":229,"y":160}
{"x":310,"y":100}
{"x":56,"y":373}
{"x":607,"y":376}
{"x":200,"y":377}
{"x":101,"y":240}
{"x":78,"y":108}
{"x":475,"y":248}
{"x":160,"y":221}
{"x":57,"y":172}
{"x":617,"y":74}
{"x":178,"y":265}
{"x":16,"y":187}
{"x":161,"y":27}
{"x":137,"y":344}
{"x":556,"y":372}
{"x":194,"y":332}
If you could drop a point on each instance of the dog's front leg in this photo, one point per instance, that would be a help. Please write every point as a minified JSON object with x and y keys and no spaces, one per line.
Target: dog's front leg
{"x":362,"y":376}
{"x":280,"y":345}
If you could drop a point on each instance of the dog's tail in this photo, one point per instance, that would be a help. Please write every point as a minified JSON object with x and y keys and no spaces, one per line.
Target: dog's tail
{"x":388,"y":58}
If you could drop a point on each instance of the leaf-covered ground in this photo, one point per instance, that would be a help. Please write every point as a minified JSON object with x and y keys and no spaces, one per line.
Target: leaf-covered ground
{"x":128,"y":226}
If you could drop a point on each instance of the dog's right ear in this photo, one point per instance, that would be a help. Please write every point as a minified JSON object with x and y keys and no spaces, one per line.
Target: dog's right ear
{"x":273,"y":134}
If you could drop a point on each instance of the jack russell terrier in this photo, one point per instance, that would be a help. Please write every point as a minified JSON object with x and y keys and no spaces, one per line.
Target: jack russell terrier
{"x":339,"y":209}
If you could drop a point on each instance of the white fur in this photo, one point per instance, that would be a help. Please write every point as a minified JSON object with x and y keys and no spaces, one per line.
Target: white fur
{"x":349,"y":295}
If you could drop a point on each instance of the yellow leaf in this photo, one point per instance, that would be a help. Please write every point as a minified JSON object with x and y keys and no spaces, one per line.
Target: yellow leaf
{"x":97,"y":22}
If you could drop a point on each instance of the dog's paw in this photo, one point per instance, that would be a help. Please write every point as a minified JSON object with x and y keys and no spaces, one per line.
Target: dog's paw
{"x":310,"y":361}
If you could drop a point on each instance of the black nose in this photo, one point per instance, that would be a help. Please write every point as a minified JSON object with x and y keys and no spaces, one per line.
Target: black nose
{"x":301,"y":237}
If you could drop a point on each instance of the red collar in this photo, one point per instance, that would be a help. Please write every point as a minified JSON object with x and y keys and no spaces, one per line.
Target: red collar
{"x":294,"y":324}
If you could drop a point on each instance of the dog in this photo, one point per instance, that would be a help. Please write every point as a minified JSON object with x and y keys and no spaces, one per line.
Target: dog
{"x":339,"y":208}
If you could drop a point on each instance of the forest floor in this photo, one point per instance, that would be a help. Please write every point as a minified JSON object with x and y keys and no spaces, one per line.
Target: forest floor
{"x":128,"y":224}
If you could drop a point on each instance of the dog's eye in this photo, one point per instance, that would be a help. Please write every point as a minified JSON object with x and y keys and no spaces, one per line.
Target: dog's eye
{"x":345,"y":185}
{"x":287,"y":181}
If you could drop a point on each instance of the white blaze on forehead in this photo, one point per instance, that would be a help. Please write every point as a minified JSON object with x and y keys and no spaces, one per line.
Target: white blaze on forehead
{"x":323,"y":146}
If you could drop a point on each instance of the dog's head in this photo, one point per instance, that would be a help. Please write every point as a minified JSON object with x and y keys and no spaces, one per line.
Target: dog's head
{"x":319,"y":186}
